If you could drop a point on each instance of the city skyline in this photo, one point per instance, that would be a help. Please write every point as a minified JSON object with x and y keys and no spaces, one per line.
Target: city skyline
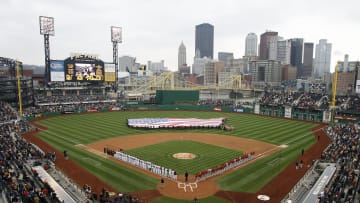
{"x":155,"y":34}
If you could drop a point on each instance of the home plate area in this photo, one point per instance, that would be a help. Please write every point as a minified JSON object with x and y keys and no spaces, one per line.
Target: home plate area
{"x":192,"y":186}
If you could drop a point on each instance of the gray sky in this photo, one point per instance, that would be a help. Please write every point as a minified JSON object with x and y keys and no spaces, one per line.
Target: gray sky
{"x":154,"y":29}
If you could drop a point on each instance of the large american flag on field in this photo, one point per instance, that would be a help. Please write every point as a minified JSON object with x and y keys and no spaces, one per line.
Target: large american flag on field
{"x":175,"y":122}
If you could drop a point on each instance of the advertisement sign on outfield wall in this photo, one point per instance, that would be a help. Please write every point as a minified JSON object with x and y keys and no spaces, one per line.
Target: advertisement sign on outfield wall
{"x":357,"y":87}
{"x":288,"y":111}
{"x":257,"y":109}
{"x":326,"y":116}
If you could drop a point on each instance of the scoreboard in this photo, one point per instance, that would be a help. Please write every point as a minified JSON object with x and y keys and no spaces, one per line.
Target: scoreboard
{"x":83,"y":68}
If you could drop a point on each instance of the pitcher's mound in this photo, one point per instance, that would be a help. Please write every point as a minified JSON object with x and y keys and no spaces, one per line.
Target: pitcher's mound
{"x":184,"y":155}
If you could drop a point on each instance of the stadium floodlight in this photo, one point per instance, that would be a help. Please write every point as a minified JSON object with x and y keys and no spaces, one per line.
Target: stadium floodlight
{"x":46,"y":25}
{"x":116,"y":34}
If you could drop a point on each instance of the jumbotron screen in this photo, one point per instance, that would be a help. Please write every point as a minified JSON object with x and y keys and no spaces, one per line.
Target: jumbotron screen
{"x":84,"y":70}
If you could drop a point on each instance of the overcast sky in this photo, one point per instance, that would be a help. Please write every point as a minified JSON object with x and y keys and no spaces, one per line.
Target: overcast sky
{"x":154,"y":29}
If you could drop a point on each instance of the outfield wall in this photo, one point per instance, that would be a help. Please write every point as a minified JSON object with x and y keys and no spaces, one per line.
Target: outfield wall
{"x":275,"y":111}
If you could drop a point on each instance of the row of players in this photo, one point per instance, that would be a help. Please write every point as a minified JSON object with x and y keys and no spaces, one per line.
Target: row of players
{"x":147,"y":165}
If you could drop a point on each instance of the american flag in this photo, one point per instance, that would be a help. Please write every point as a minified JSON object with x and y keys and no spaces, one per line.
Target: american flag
{"x":175,"y":122}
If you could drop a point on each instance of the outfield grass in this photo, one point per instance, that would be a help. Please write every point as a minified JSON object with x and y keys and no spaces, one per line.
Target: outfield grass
{"x":64,"y":132}
{"x":207,"y":156}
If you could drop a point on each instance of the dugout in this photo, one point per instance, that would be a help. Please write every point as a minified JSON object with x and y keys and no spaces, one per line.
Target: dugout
{"x":177,"y":96}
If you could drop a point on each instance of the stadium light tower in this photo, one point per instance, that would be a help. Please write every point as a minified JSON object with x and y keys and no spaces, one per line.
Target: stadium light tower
{"x":47,"y":29}
{"x":116,"y":38}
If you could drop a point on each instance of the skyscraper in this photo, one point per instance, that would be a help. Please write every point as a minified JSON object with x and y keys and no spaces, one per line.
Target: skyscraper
{"x":268,"y":46}
{"x":284,"y":51}
{"x":322,"y":58}
{"x":181,"y":56}
{"x":308,"y":59}
{"x":296,"y":55}
{"x":251,"y":44}
{"x":204,"y":40}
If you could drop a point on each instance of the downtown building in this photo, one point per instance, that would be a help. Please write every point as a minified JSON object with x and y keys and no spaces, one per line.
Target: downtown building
{"x":296,"y":55}
{"x":348,"y":80}
{"x":183,"y":68}
{"x":211,"y":71}
{"x":226,"y":57}
{"x":199,"y":65}
{"x":204,"y":40}
{"x":251,"y":45}
{"x":283,"y":51}
{"x":268,"y":46}
{"x":128,"y":64}
{"x":308,"y":59}
{"x":156,"y":67}
{"x":265,"y":73}
{"x":322,"y":59}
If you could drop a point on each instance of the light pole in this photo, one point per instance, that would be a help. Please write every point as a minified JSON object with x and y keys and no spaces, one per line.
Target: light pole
{"x":116,"y":38}
{"x":47,"y":29}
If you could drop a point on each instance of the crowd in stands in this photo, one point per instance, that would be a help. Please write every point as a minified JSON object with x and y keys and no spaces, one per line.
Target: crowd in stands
{"x":6,"y":113}
{"x":69,"y":103}
{"x":344,"y":151}
{"x":42,"y":99}
{"x":353,"y":104}
{"x":278,"y":99}
{"x":310,"y":100}
{"x":18,"y":182}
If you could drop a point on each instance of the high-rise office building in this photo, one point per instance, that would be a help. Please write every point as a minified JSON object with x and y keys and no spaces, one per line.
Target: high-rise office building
{"x":284,"y":51}
{"x":181,"y":56}
{"x":346,"y":63}
{"x":204,"y":40}
{"x":296,"y":55}
{"x":268,"y":46}
{"x":322,"y":58}
{"x":251,"y":45}
{"x":225,"y":57}
{"x":308,"y":59}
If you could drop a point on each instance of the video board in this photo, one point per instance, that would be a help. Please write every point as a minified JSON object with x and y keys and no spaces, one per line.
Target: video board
{"x":83,"y":69}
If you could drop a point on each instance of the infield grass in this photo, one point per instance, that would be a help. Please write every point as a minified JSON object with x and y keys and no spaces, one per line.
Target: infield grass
{"x":207,"y":156}
{"x":64,"y":132}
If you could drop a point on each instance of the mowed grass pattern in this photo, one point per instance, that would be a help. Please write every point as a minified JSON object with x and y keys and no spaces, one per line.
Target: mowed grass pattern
{"x":64,"y":132}
{"x":207,"y":156}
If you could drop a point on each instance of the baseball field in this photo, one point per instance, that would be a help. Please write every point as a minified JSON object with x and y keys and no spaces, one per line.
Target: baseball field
{"x":276,"y":142}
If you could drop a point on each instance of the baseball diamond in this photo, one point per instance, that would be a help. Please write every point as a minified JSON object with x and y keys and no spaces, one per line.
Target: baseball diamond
{"x":85,"y":136}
